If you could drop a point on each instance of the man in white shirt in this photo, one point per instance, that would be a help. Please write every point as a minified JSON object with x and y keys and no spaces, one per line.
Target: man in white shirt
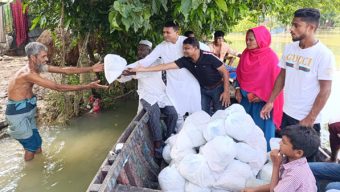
{"x":182,"y":88}
{"x":306,"y":75}
{"x":153,"y":98}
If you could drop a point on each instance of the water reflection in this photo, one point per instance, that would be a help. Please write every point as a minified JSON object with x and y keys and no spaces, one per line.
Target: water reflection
{"x":71,"y":155}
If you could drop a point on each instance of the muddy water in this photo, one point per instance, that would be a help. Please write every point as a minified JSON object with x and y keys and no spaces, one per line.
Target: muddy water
{"x":71,"y":154}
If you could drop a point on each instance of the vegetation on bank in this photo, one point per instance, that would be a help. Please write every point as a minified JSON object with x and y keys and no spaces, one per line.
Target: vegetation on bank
{"x":98,"y":27}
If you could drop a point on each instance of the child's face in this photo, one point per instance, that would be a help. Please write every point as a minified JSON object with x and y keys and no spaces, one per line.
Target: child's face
{"x":286,"y":148}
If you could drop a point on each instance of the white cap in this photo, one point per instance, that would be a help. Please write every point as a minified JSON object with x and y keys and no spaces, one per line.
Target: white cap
{"x":146,"y":42}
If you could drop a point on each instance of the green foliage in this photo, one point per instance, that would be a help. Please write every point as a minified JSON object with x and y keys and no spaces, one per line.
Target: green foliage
{"x":116,"y":26}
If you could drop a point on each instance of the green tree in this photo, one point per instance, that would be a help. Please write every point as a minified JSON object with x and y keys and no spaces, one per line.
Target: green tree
{"x":115,"y":26}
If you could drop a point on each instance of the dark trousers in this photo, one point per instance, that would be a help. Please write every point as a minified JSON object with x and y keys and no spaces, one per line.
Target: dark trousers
{"x":211,"y":96}
{"x":288,"y":120}
{"x":154,"y":122}
{"x":334,"y":139}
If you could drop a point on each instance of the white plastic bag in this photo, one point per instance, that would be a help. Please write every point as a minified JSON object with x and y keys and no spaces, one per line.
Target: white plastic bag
{"x":219,"y":152}
{"x":235,"y":108}
{"x":256,"y":139}
{"x":219,"y":114}
{"x":245,"y":153}
{"x":253,"y":182}
{"x":274,"y":143}
{"x":171,"y":140}
{"x":219,"y":190}
{"x":214,"y":128}
{"x":195,"y":169}
{"x":194,"y":125}
{"x":239,"y":125}
{"x":170,"y":180}
{"x":195,"y":133}
{"x":182,"y":147}
{"x":240,"y":169}
{"x":230,"y":181}
{"x":190,"y":187}
{"x":266,"y":172}
{"x":166,"y":153}
{"x":114,"y":65}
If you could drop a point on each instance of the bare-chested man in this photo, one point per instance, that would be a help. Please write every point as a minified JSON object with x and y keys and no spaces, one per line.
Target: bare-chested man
{"x":21,"y":106}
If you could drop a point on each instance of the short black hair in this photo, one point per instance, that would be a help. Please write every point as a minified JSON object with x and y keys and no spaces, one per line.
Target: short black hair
{"x":302,"y":138}
{"x":188,"y":33}
{"x":309,"y":15}
{"x":218,"y":34}
{"x":171,"y":24}
{"x":192,"y":41}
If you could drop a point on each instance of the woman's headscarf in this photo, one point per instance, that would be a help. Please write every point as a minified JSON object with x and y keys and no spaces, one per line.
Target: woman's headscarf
{"x":258,"y":69}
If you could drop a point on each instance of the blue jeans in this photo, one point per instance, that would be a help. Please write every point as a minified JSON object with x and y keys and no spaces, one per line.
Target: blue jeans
{"x":211,"y":96}
{"x":326,"y":172}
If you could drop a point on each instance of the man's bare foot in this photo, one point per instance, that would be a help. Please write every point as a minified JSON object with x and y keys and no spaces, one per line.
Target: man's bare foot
{"x":38,"y":151}
{"x":28,"y":155}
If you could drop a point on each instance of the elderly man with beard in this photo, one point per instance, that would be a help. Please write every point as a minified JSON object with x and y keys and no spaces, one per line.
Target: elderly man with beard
{"x":21,"y":106}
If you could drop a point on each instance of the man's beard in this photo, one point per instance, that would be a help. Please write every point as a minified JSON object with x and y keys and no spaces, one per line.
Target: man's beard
{"x":39,"y":68}
{"x":299,"y":38}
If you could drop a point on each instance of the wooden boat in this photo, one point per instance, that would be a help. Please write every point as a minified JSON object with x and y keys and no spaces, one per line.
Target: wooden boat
{"x":132,"y":167}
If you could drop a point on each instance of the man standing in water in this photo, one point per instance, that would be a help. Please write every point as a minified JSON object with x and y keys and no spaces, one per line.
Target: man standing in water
{"x":21,"y":105}
{"x":307,"y":67}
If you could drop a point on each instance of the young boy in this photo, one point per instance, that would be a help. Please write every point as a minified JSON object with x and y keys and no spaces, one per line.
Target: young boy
{"x":290,"y":168}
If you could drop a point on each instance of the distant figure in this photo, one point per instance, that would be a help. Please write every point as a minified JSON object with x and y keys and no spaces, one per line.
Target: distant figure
{"x":203,"y":46}
{"x":290,"y":168}
{"x":256,"y":75}
{"x":189,"y":34}
{"x":220,"y":48}
{"x":21,"y":106}
{"x":153,"y":98}
{"x":307,"y":68}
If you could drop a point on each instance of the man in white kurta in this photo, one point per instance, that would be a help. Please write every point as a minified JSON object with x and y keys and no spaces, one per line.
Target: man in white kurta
{"x":182,"y":88}
{"x":153,"y":98}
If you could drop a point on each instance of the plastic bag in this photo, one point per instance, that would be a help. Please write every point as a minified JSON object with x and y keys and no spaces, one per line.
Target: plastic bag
{"x":214,"y":128}
{"x":166,"y":153}
{"x":245,"y":153}
{"x":239,"y":126}
{"x":266,"y":172}
{"x":219,"y":152}
{"x":170,"y":180}
{"x":190,"y":187}
{"x":195,"y":169}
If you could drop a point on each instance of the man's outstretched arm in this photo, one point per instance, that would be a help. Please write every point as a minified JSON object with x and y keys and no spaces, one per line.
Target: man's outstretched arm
{"x":98,"y":67}
{"x":36,"y":79}
{"x":160,"y":67}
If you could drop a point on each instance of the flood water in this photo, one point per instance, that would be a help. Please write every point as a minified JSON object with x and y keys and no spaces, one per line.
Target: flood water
{"x":71,"y":154}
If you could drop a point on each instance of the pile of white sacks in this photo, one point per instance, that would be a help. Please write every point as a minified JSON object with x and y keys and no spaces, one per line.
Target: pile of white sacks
{"x":225,"y":152}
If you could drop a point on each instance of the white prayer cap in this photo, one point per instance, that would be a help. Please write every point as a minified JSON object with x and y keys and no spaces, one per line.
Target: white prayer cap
{"x":146,"y":42}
